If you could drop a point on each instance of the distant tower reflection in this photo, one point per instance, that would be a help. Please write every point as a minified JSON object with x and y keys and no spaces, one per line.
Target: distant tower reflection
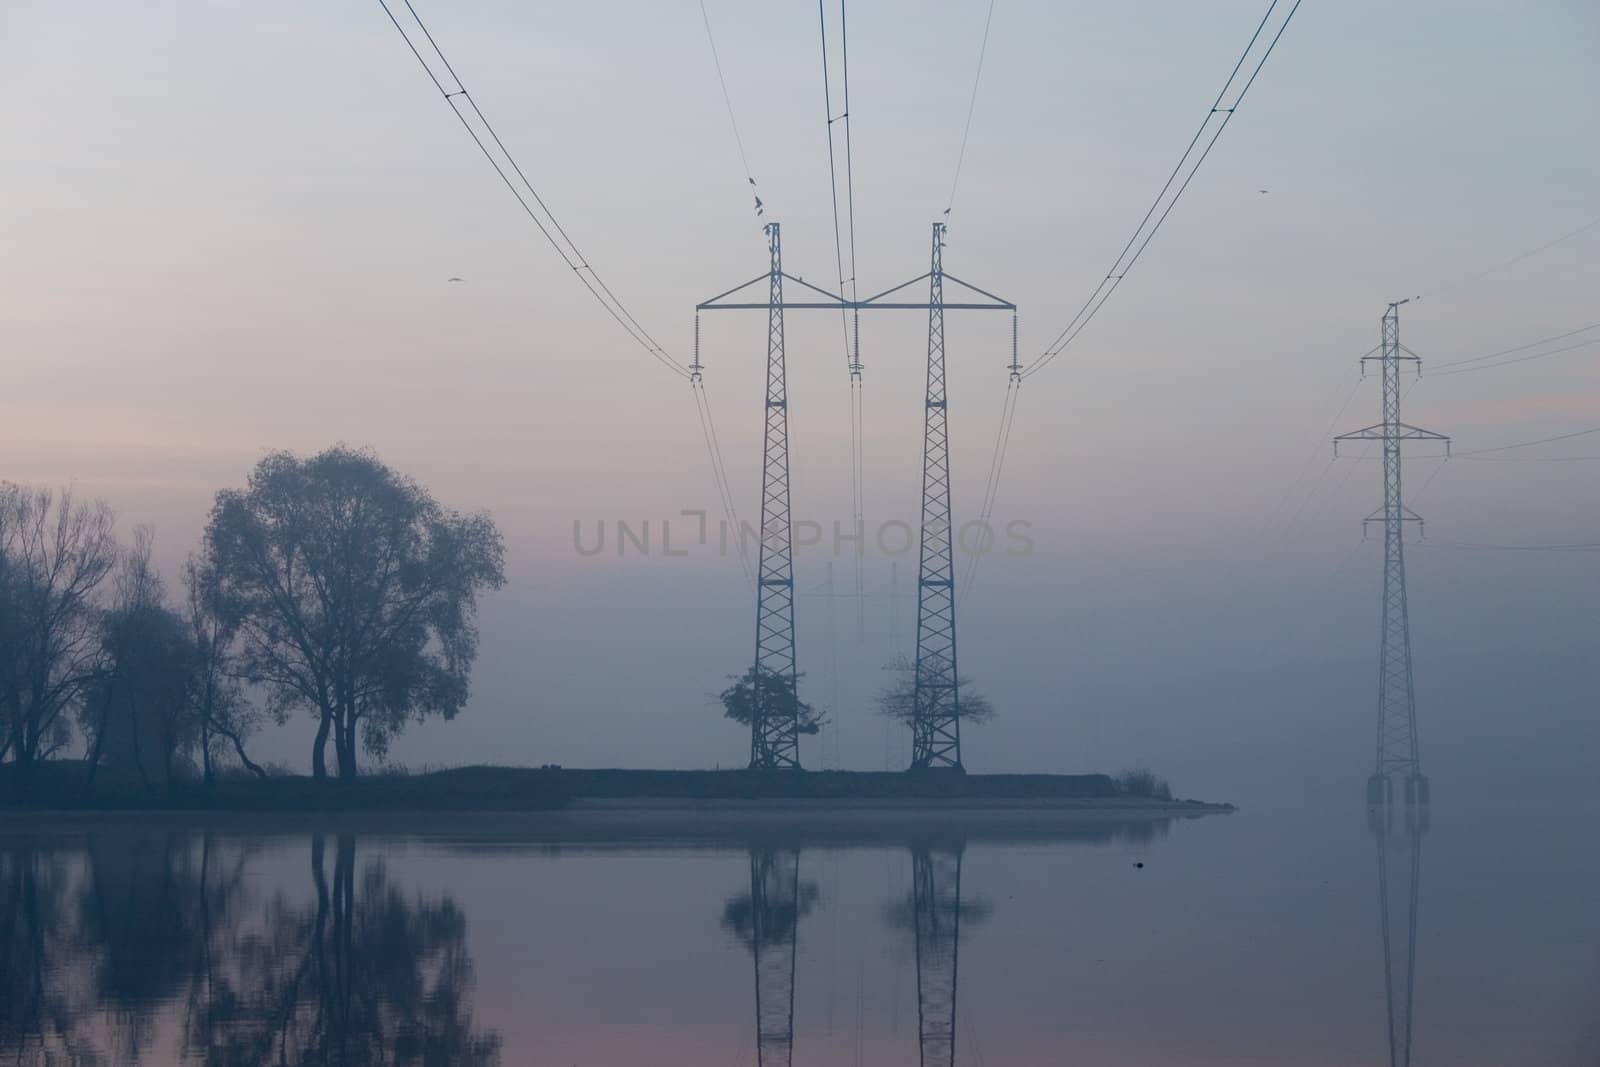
{"x":767,"y":921}
{"x":1399,"y":851}
{"x":936,"y":907}
{"x":934,"y":914}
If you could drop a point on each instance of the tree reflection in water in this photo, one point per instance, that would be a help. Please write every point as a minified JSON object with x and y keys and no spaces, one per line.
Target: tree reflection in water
{"x":104,"y":948}
{"x":767,"y":922}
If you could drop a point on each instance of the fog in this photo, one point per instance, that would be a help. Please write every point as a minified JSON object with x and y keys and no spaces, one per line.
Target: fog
{"x":229,"y":228}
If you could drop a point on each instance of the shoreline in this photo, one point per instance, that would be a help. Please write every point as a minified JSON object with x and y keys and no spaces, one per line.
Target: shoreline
{"x":575,"y":802}
{"x":667,"y":822}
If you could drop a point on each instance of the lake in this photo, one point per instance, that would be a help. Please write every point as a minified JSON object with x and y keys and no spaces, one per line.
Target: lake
{"x":1305,"y":937}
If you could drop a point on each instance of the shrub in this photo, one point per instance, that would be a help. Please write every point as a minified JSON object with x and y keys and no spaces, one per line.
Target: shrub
{"x":1141,"y":782}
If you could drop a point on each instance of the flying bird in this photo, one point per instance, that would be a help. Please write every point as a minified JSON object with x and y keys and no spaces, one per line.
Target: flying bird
{"x":1260,"y":190}
{"x":455,"y":279}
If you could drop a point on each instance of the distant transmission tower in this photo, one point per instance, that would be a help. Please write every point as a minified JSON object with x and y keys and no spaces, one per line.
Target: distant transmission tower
{"x":775,"y":725}
{"x":936,"y":719}
{"x":1398,"y":754}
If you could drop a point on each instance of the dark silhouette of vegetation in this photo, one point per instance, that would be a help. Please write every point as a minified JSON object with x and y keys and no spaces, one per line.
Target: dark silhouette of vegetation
{"x":100,"y":945}
{"x":899,"y":700}
{"x":216,"y":695}
{"x":778,"y":693}
{"x":332,"y":584}
{"x":1142,"y":783}
{"x":354,"y":594}
{"x":136,"y":707}
{"x":783,"y":900}
{"x":55,"y":551}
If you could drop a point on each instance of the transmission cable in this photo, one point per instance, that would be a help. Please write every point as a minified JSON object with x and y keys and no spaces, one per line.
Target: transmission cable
{"x":1530,"y":444}
{"x":727,"y":100}
{"x":708,"y":430}
{"x":857,"y":386}
{"x":1002,"y":445}
{"x":566,"y":248}
{"x":1124,"y":262}
{"x":852,"y":337}
{"x":1475,"y":366}
{"x":1518,"y":348}
{"x":1585,"y":228}
{"x":972,"y":105}
{"x":569,"y":251}
{"x":1310,"y":460}
{"x":1475,"y":547}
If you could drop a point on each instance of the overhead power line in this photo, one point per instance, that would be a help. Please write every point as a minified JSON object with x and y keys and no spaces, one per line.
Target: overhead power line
{"x":849,"y":326}
{"x":1188,"y":166}
{"x":533,"y":205}
{"x":972,"y":106}
{"x":727,"y":99}
{"x":1531,"y":459}
{"x":1530,"y":444}
{"x":1474,"y":547}
{"x":1146,"y":230}
{"x":1475,"y":366}
{"x":1438,"y":367}
{"x":1513,"y":261}
{"x":505,"y":165}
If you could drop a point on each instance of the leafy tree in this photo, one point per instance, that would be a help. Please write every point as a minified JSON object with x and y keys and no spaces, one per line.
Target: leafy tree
{"x":136,"y":709}
{"x":898,"y":701}
{"x":364,"y":977}
{"x":46,"y":1002}
{"x":55,"y":551}
{"x":739,"y":700}
{"x":770,"y":913}
{"x":354,"y":592}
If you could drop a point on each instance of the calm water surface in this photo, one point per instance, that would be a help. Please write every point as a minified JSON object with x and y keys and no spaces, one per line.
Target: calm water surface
{"x":1252,"y":938}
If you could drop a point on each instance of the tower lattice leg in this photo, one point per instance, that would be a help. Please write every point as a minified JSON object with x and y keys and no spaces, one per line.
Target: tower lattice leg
{"x":936,"y":709}
{"x":774,"y":727}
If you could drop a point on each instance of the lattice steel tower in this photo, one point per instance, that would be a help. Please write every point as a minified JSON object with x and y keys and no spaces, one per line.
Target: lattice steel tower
{"x":936,"y":720}
{"x":774,"y":727}
{"x":1398,"y":753}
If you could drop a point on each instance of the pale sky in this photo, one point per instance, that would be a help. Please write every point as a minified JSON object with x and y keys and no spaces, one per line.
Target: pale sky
{"x":228,"y":228}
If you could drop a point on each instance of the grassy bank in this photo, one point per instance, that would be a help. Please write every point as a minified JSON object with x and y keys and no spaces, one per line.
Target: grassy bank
{"x":64,"y":786}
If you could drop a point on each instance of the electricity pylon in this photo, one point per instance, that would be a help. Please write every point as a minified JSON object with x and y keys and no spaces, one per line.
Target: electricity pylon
{"x":775,"y":723}
{"x":1399,"y":972}
{"x":774,"y":729}
{"x":936,"y":708}
{"x":1397,"y":751}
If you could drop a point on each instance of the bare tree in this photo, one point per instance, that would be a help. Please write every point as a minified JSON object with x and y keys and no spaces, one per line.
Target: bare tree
{"x":57,"y":551}
{"x":898,"y":701}
{"x":355,"y":594}
{"x":225,"y":714}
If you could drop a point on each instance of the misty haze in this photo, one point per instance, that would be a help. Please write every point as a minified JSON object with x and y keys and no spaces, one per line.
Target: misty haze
{"x":966,"y":533}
